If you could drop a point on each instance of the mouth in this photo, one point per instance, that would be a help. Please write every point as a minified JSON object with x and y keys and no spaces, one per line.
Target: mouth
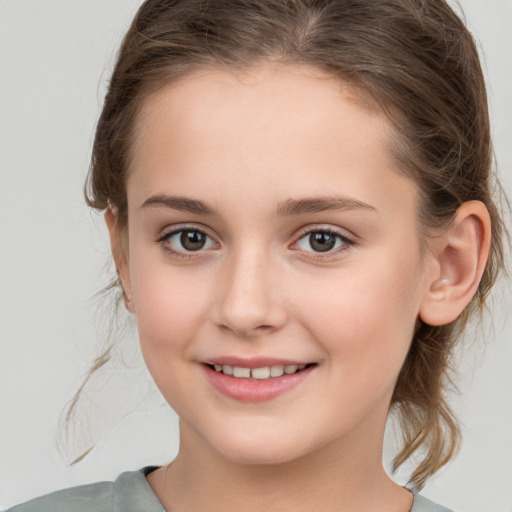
{"x":257,"y":381}
{"x":261,"y":373}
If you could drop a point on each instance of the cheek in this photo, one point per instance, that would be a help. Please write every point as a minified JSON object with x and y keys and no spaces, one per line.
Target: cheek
{"x":365,"y":316}
{"x":169,"y":303}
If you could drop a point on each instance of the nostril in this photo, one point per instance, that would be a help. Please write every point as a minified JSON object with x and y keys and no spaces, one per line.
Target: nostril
{"x":247,"y":331}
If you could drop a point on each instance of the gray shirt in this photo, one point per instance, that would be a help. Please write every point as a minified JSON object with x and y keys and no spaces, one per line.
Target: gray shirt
{"x":131,"y":493}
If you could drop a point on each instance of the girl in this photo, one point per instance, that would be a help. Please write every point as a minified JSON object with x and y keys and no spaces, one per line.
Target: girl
{"x":298,"y":197}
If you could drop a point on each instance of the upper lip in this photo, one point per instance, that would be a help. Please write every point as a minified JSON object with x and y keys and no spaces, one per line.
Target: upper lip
{"x":253,"y":362}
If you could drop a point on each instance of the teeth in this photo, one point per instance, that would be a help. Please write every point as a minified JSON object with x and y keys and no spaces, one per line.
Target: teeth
{"x":241,"y":372}
{"x":262,"y":373}
{"x":276,"y":371}
{"x":290,"y":369}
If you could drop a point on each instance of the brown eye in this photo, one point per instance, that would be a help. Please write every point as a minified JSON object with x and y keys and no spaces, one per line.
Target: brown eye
{"x":185,"y":241}
{"x":322,"y":241}
{"x":192,"y":240}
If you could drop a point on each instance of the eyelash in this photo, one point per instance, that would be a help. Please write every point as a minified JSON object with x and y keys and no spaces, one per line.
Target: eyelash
{"x":164,"y":241}
{"x":346,"y":242}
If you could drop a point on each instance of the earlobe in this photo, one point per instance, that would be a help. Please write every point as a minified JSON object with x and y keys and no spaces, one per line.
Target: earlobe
{"x":120,"y":255}
{"x":460,"y":255}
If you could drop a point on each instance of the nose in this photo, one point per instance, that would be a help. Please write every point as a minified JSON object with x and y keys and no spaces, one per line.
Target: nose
{"x":251,"y":301}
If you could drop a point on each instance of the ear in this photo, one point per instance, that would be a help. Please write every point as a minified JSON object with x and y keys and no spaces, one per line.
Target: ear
{"x":118,"y":245}
{"x":460,"y":257}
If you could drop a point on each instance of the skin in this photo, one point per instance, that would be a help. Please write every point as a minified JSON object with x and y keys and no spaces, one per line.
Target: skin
{"x":245,"y":144}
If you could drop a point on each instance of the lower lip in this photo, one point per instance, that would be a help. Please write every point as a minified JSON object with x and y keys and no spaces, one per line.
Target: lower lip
{"x":254,"y":390}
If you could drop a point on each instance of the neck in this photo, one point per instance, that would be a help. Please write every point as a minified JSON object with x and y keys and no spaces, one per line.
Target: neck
{"x":341,"y":476}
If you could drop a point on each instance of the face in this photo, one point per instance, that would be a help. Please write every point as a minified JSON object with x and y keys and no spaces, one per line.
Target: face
{"x":270,"y":235}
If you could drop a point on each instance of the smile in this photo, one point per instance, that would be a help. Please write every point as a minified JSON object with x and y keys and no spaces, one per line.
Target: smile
{"x":263,"y":373}
{"x":256,"y":382}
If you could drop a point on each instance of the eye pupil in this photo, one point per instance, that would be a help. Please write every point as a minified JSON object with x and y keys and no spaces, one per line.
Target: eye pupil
{"x":192,"y":240}
{"x":321,"y":241}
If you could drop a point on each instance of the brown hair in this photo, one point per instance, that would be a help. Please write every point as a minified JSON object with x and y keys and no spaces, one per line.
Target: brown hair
{"x":414,"y":59}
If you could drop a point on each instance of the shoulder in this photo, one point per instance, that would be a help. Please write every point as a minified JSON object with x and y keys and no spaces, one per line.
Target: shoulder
{"x":422,"y":504}
{"x":97,"y":497}
{"x":129,"y":492}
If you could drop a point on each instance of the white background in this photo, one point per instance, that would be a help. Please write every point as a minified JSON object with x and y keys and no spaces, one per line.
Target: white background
{"x":55,"y":57}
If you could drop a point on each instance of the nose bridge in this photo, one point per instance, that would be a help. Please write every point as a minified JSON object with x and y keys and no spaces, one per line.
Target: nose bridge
{"x":250,"y":303}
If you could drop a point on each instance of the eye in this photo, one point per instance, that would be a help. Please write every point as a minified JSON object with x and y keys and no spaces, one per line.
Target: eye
{"x":187,"y":240}
{"x":322,"y":241}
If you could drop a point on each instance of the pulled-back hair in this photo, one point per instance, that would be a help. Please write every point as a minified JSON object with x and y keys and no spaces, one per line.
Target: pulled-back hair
{"x":413,"y":60}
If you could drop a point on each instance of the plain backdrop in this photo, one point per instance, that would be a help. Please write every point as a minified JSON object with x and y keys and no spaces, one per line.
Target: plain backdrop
{"x":55,"y":58}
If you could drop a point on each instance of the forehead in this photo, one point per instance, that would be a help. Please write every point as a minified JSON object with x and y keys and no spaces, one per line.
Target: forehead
{"x":302,"y":100}
{"x":294,"y":127}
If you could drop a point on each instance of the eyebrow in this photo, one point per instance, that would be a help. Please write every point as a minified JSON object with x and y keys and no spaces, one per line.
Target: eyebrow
{"x":289,"y":207}
{"x":181,"y":203}
{"x":320,"y":204}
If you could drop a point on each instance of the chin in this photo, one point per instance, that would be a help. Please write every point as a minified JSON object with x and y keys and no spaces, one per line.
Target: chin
{"x":259,"y":457}
{"x":258,"y":449}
